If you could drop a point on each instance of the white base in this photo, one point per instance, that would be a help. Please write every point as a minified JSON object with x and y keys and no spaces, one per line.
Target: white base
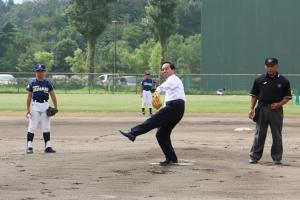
{"x":180,"y":163}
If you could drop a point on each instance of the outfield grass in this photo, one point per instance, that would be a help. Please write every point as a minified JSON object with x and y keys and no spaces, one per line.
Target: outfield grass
{"x":132,"y":102}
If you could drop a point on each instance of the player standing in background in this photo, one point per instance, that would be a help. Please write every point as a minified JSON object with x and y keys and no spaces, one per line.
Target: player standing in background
{"x":166,"y":118}
{"x":147,"y":86}
{"x":38,"y":96}
{"x":272,"y":90}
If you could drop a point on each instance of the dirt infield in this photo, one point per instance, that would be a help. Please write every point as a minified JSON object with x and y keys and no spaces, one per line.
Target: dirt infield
{"x":94,"y":162}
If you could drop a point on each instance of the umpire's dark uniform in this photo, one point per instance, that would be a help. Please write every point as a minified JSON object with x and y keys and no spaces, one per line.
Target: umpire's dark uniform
{"x":269,"y":90}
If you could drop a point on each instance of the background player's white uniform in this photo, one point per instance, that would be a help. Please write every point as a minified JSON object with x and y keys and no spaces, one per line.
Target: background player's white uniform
{"x":147,"y":99}
{"x":147,"y":86}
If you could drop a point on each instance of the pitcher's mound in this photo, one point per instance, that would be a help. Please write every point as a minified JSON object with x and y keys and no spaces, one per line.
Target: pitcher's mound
{"x":180,"y":163}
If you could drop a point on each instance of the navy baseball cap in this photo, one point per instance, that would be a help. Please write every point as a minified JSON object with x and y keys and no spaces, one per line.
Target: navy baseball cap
{"x":40,"y":67}
{"x":270,"y":61}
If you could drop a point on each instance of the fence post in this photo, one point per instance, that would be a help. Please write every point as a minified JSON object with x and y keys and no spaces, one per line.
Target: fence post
{"x":136,"y":84}
{"x":65,"y":84}
{"x":18,"y":86}
{"x":89,"y":85}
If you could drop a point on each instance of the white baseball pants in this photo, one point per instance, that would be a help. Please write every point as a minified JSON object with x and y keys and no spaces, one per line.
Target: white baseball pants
{"x":147,"y":99}
{"x":38,"y":112}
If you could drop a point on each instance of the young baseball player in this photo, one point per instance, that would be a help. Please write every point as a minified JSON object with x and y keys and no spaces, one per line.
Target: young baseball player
{"x":147,"y":85}
{"x":37,"y":104}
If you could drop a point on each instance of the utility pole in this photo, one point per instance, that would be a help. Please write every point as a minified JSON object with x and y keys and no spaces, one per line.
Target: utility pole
{"x":114,"y":22}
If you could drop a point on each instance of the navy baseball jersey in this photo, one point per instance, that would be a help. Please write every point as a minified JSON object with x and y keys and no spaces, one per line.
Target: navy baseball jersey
{"x":40,"y":89}
{"x":148,"y":84}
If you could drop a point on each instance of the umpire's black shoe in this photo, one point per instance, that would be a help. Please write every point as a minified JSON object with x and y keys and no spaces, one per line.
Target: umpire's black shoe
{"x":29,"y":150}
{"x":128,"y":134}
{"x":49,"y":150}
{"x":167,"y":162}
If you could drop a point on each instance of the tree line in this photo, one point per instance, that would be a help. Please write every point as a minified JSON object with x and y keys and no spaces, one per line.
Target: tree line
{"x":78,"y":35}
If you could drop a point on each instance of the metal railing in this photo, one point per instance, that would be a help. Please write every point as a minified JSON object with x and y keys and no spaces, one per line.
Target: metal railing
{"x":16,"y":82}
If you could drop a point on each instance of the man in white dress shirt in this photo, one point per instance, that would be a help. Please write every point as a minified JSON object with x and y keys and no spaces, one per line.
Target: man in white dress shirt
{"x":166,"y":118}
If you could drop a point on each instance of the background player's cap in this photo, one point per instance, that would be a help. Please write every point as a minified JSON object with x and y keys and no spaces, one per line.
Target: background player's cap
{"x":273,"y":61}
{"x":147,"y":73}
{"x":40,"y":67}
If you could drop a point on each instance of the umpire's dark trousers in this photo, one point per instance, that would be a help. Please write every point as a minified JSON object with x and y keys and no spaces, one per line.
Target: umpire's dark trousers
{"x":165,"y":120}
{"x":267,"y":117}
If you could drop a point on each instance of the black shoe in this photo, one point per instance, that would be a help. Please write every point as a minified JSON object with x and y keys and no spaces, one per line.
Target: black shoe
{"x":143,"y":113}
{"x":49,"y":150}
{"x":278,"y":162}
{"x":128,"y":134}
{"x":167,"y":162}
{"x":252,"y":161}
{"x":29,"y":150}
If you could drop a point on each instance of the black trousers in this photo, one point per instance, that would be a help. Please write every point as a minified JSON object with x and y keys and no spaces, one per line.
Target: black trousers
{"x":165,"y":120}
{"x":267,"y":117}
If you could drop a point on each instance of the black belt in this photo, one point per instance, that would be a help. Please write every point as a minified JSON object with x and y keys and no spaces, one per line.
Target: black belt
{"x":40,"y":101}
{"x":265,"y":104}
{"x":175,"y":102}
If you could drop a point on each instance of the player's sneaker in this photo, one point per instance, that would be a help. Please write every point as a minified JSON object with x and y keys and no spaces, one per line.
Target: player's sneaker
{"x":49,"y":150}
{"x":29,"y":150}
{"x":143,"y":113}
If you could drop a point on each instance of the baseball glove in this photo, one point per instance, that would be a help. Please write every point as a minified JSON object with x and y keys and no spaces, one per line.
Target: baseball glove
{"x":156,"y":102}
{"x":51,"y":111}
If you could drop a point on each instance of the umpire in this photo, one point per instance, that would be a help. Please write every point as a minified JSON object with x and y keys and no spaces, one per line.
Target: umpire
{"x":168,"y":117}
{"x":272,"y":91}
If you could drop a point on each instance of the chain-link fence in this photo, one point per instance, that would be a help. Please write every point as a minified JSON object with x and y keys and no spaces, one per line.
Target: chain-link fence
{"x":130,"y":83}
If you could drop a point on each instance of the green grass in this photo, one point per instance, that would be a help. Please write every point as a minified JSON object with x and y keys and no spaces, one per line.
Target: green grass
{"x":132,"y":102}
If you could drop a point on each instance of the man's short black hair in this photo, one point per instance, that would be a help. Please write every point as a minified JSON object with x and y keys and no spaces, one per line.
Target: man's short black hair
{"x":172,"y":66}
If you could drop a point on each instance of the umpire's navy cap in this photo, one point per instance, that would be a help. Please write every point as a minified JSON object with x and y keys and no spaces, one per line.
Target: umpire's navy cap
{"x":270,"y":61}
{"x":40,"y":67}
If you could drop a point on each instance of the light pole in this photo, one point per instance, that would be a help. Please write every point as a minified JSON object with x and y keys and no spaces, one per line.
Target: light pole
{"x":114,"y":22}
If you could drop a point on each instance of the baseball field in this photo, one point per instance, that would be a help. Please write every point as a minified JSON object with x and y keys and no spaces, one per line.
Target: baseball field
{"x":94,"y":162}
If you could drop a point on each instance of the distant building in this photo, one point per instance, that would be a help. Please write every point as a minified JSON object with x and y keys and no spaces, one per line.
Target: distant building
{"x":237,"y":35}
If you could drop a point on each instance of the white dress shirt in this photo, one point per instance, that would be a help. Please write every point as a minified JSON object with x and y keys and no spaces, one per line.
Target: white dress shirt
{"x":173,"y":88}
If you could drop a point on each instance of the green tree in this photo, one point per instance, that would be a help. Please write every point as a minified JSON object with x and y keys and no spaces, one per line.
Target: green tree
{"x":90,"y":18}
{"x":7,"y":36}
{"x":26,"y":61}
{"x":2,"y":8}
{"x":161,"y":20}
{"x":7,"y":47}
{"x":191,"y":54}
{"x":62,"y":50}
{"x":139,"y":59}
{"x":44,"y":57}
{"x":189,"y":17}
{"x":77,"y":62}
{"x":155,"y":60}
{"x":185,"y":52}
